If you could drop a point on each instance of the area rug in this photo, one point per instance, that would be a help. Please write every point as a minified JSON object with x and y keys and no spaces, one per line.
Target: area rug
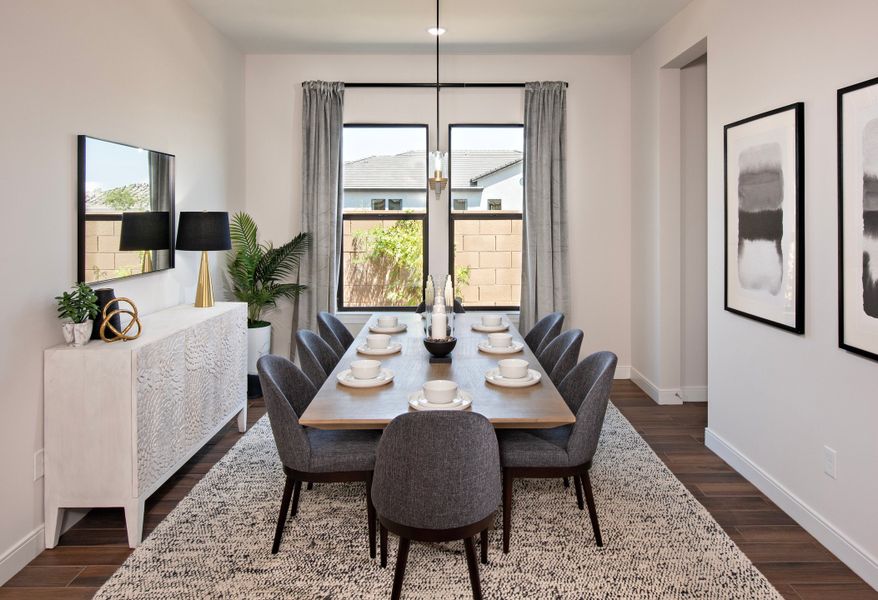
{"x":660,"y":543}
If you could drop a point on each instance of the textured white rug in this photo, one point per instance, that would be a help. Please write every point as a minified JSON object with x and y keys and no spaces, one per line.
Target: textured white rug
{"x":660,"y":543}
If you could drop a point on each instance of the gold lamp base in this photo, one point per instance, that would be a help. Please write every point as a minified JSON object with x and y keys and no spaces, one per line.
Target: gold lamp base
{"x":146,"y":263}
{"x":204,"y":290}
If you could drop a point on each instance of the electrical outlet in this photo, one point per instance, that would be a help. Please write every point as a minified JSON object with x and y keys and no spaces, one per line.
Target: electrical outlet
{"x":829,"y":461}
{"x":38,"y":464}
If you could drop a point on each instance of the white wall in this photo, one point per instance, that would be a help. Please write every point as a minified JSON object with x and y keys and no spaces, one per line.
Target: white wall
{"x":598,"y":153}
{"x":775,"y":398}
{"x":152,"y":74}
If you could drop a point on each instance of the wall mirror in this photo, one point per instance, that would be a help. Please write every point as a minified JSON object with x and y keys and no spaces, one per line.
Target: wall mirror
{"x":126,"y":210}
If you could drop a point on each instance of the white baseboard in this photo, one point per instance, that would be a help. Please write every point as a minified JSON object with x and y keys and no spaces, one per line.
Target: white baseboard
{"x":622,"y":372}
{"x":859,"y":560}
{"x":16,"y":558}
{"x":661,"y":396}
{"x":694,"y":393}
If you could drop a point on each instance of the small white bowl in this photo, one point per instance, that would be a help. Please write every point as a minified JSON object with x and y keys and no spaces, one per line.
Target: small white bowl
{"x":500,"y":340}
{"x":513,"y":368}
{"x":440,"y":391}
{"x":378,"y":341}
{"x":491,"y":320}
{"x":365,"y":369}
{"x":388,"y":322}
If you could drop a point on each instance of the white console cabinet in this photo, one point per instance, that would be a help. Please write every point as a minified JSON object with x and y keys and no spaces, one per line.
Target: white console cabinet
{"x":121,"y":418}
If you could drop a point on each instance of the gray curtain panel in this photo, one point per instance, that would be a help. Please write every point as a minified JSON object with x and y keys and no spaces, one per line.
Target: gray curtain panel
{"x":544,"y":262}
{"x":322,"y":125}
{"x":160,"y":180}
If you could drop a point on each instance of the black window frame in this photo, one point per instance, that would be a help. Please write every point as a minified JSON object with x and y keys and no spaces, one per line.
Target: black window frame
{"x":391,"y":215}
{"x":476,"y":216}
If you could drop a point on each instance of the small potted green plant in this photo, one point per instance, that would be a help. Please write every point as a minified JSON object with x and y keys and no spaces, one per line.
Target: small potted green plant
{"x":80,"y":307}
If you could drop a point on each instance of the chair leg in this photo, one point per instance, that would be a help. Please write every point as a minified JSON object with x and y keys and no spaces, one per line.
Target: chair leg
{"x":567,"y":482}
{"x":473,"y":568}
{"x":507,"y":509}
{"x":592,"y":510}
{"x":484,"y":545}
{"x":402,"y":556}
{"x":370,"y":512}
{"x":577,"y":483}
{"x":383,"y":530}
{"x":310,"y":485}
{"x":296,"y":494}
{"x":281,"y":518}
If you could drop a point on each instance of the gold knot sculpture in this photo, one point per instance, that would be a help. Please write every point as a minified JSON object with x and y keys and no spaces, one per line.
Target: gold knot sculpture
{"x":116,"y":334}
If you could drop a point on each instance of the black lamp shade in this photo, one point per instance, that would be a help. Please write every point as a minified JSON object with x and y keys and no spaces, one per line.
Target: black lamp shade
{"x":145,"y":231}
{"x":204,"y":231}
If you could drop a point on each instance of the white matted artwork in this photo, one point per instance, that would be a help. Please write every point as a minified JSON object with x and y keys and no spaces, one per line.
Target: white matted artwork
{"x":858,"y":218}
{"x":764,"y":218}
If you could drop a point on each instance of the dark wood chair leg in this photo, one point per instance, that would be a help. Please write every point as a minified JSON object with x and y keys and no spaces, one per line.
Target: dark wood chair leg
{"x":383,"y":545}
{"x":282,"y":516}
{"x":310,"y":485}
{"x":473,"y":568}
{"x":507,"y":509}
{"x":483,"y":542}
{"x":402,"y":556}
{"x":296,"y":494}
{"x":370,"y":512}
{"x":567,"y":482}
{"x":577,"y":483}
{"x":592,"y":510}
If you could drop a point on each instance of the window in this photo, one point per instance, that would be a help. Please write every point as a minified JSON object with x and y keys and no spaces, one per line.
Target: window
{"x":384,"y":245}
{"x":485,"y":168}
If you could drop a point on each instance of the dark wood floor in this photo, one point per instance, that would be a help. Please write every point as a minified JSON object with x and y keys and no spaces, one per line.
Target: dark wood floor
{"x":792,"y":560}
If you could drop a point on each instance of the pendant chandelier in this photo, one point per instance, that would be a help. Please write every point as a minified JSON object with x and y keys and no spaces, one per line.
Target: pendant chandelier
{"x":438,"y":159}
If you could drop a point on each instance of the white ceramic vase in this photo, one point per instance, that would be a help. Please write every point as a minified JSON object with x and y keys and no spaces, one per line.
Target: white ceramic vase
{"x":77,"y":334}
{"x":258,"y":345}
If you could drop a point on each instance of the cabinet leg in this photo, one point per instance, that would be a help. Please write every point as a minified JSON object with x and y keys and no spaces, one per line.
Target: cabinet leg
{"x":134,"y":522}
{"x":54,"y":518}
{"x":242,"y":419}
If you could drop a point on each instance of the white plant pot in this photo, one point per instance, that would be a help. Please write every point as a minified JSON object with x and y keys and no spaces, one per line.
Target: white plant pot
{"x":77,"y":334}
{"x":258,"y":345}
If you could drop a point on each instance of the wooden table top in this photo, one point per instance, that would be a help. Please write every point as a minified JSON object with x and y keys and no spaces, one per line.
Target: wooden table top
{"x":339,"y":407}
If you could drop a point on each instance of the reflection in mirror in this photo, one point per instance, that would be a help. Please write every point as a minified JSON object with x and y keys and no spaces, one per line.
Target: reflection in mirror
{"x":126,"y":210}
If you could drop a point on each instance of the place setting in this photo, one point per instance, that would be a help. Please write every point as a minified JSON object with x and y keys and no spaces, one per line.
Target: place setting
{"x":388,"y":324}
{"x":440,"y":394}
{"x":500,"y":343}
{"x":513,"y":373}
{"x":365,"y":374}
{"x":491,"y":324}
{"x":379,"y":344}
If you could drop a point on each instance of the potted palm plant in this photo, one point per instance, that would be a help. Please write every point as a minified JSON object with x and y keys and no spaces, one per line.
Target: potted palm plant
{"x":257,"y":272}
{"x":80,"y":307}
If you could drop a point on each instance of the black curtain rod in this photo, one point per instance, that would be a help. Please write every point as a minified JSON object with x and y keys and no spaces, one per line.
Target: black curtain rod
{"x":433,"y":85}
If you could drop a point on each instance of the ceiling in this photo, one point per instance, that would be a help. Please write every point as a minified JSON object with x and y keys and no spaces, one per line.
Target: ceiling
{"x":474,"y":26}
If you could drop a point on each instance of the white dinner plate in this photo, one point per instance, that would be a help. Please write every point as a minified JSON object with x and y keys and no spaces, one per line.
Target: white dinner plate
{"x":398,"y":329}
{"x":462,"y":402}
{"x":490,"y":328}
{"x":393,"y":348}
{"x":346,"y":378}
{"x":487,"y":348}
{"x":532,"y":378}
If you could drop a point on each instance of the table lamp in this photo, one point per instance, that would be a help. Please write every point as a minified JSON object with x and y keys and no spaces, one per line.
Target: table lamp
{"x":145,"y":231}
{"x":205,"y":231}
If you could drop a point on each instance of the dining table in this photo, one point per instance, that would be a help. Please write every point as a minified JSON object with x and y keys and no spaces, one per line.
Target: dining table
{"x":337,"y":406}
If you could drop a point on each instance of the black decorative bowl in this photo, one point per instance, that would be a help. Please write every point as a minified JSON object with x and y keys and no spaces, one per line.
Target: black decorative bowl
{"x":440,"y":348}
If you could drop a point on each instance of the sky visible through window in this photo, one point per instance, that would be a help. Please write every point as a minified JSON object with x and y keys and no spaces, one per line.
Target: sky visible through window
{"x":114,"y":165}
{"x":362,"y":142}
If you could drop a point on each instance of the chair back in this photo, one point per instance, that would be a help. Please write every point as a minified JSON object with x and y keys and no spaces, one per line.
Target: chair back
{"x":334,"y":332}
{"x":437,"y":470}
{"x":587,"y":391}
{"x":287,"y":393}
{"x":560,"y":355}
{"x":317,"y":358}
{"x":544,"y":331}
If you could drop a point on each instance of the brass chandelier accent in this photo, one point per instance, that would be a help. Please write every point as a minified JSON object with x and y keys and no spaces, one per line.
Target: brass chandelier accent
{"x":438,"y":159}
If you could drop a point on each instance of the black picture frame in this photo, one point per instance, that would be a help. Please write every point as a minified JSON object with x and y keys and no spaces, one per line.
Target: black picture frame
{"x":798,"y":324}
{"x":843,"y":343}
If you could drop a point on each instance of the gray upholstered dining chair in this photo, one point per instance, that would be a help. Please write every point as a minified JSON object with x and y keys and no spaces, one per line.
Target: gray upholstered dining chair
{"x":334,"y":332}
{"x":560,"y":355}
{"x":437,"y":479}
{"x":311,"y":454}
{"x":562,"y":451}
{"x":317,"y":357}
{"x":544,"y":331}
